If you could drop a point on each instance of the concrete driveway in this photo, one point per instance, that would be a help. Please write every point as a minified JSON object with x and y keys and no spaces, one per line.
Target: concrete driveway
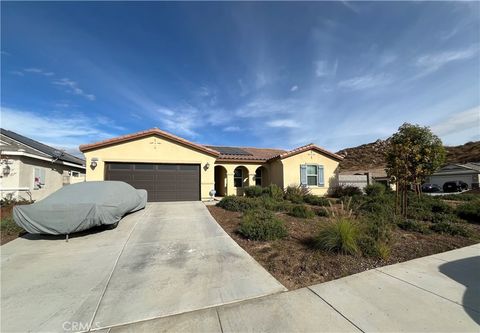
{"x":168,"y":259}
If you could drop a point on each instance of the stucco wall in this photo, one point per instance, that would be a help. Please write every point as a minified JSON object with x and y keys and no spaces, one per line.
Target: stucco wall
{"x":152,"y":149}
{"x":248,"y":176}
{"x":291,"y":170}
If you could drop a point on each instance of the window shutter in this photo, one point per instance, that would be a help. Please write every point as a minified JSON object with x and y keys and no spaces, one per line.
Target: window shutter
{"x":321,"y":181}
{"x":303,"y":175}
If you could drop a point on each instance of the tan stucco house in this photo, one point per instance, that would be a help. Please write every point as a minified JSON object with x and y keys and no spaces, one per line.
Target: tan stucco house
{"x":32,"y":170}
{"x":171,"y":168}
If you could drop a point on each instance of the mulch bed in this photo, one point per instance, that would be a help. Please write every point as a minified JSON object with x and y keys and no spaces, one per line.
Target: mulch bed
{"x":296,"y":264}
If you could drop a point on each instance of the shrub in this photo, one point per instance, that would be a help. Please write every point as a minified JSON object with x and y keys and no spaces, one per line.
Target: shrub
{"x":381,"y":205}
{"x":274,"y":192}
{"x":295,"y":194}
{"x":263,"y":225}
{"x":301,"y":211}
{"x":461,"y":197}
{"x":439,"y":206}
{"x":316,"y":200}
{"x":372,"y":248}
{"x":253,"y":191}
{"x":321,"y":212}
{"x":469,"y":211}
{"x":338,"y":236}
{"x":412,"y":225}
{"x":274,"y":205}
{"x":345,"y":191}
{"x":9,"y":227}
{"x":424,"y":207}
{"x":440,"y":217}
{"x":238,"y":204}
{"x":375,"y":189}
{"x":450,"y":229}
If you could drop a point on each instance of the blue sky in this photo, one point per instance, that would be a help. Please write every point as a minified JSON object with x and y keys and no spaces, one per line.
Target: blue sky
{"x":339,"y":74}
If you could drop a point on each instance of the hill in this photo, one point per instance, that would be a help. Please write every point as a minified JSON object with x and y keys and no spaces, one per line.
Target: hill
{"x":371,"y":155}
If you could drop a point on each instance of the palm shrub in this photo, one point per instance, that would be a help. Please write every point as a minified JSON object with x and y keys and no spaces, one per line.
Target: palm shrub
{"x":253,"y":191}
{"x":296,"y":194}
{"x":261,"y":224}
{"x":301,"y":211}
{"x":340,"y":236}
{"x":274,"y":192}
{"x":315,"y":200}
{"x":238,"y":204}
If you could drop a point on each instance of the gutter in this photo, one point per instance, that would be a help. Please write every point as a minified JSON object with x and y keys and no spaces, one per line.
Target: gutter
{"x":19,"y":153}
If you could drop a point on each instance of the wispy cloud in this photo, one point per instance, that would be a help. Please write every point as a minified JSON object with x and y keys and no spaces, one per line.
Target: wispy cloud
{"x":64,"y":132}
{"x":324,"y":68}
{"x":17,"y":73}
{"x":294,"y":88}
{"x":430,"y":63}
{"x":458,"y":122}
{"x":231,"y":129}
{"x":38,"y":71}
{"x":72,"y":87}
{"x":286,"y":123}
{"x":365,"y":81}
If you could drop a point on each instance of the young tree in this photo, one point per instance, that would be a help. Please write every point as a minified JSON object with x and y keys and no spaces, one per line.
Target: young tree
{"x":413,"y":154}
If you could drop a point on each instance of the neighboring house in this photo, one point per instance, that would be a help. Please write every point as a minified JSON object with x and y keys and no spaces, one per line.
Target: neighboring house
{"x":171,"y":168}
{"x":32,"y":170}
{"x":362,"y":178}
{"x":468,"y":173}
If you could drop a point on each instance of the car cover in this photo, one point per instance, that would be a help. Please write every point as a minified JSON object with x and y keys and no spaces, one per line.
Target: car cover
{"x":80,"y":206}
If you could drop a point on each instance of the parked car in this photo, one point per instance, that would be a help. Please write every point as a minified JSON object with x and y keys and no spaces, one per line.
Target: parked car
{"x":80,"y":206}
{"x":455,"y":186}
{"x":431,"y":188}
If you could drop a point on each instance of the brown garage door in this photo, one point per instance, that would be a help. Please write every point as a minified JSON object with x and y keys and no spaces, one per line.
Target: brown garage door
{"x":163,"y":182}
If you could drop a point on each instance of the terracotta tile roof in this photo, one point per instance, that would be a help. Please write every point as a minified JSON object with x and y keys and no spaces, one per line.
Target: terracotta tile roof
{"x":245,"y":153}
{"x":308,"y":147}
{"x":152,"y":131}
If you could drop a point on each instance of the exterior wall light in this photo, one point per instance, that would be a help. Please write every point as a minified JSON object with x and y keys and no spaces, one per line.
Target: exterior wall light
{"x":207,"y":165}
{"x":93,"y":163}
{"x":6,"y":170}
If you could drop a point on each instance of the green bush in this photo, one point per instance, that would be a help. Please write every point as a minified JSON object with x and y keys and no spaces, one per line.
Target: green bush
{"x":469,"y":211}
{"x":345,"y":191}
{"x":375,"y":189}
{"x":274,"y":192}
{"x":412,"y":225}
{"x":338,"y":236}
{"x":238,"y":204}
{"x":301,"y":211}
{"x":381,"y":205}
{"x":315,"y":200}
{"x":274,"y":205}
{"x":321,"y":212}
{"x":263,"y":225}
{"x":441,"y":217}
{"x":424,"y":207}
{"x":450,"y":229}
{"x":296,"y":194}
{"x":253,"y":191}
{"x":373,"y":248}
{"x":461,"y":197}
{"x":9,"y":227}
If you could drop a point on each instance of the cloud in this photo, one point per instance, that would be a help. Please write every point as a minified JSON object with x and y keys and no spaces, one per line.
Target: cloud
{"x":433,"y":62}
{"x":294,"y":88}
{"x":287,"y":123}
{"x":72,"y":87}
{"x":365,"y":81}
{"x":38,"y":71}
{"x":165,"y":111}
{"x":63,"y":132}
{"x":323,"y":68}
{"x":458,"y":122}
{"x":18,"y":73}
{"x":231,"y":129}
{"x":350,"y":6}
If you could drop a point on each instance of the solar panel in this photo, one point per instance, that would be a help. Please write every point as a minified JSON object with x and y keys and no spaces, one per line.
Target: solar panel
{"x":231,"y":151}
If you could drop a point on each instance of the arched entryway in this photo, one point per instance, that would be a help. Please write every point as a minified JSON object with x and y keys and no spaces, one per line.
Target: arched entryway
{"x":220,"y":181}
{"x":240,"y":179}
{"x":261,"y":176}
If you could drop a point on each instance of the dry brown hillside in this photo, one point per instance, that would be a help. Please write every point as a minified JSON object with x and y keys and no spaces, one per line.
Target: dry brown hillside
{"x":371,"y":155}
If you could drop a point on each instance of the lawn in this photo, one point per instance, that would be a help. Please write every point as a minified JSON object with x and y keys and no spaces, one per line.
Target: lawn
{"x":297,"y":260}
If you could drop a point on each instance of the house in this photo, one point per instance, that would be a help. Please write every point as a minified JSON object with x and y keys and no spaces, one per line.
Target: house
{"x":32,"y":170}
{"x":171,"y":168}
{"x":362,"y":178}
{"x":468,"y":173}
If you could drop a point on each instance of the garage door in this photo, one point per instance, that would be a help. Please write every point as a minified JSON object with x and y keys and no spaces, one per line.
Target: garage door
{"x":163,"y":182}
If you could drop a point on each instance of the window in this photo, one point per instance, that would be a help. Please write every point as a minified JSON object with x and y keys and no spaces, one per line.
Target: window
{"x":312,"y":175}
{"x":119,"y":166}
{"x":258,"y":177}
{"x":74,"y":173}
{"x":38,"y":178}
{"x":142,"y":166}
{"x":238,"y":177}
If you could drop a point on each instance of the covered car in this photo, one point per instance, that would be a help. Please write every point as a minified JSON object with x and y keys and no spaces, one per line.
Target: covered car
{"x":79,"y":207}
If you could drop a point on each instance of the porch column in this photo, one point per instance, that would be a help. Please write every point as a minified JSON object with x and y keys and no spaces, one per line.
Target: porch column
{"x":230,"y":189}
{"x":251,"y":179}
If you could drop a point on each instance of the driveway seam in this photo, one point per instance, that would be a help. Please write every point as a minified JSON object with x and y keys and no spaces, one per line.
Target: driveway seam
{"x":113,"y":270}
{"x":219,"y":320}
{"x":341,"y":314}
{"x":431,"y":292}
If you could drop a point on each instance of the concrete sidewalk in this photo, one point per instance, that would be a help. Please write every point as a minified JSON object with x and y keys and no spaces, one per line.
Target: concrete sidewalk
{"x":439,"y":293}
